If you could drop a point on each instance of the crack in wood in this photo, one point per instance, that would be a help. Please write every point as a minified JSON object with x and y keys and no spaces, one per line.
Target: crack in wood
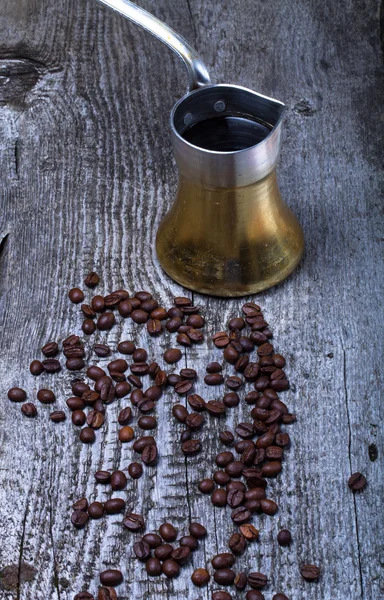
{"x":21,"y":553}
{"x":55,"y":573}
{"x":192,"y":19}
{"x":17,"y":157}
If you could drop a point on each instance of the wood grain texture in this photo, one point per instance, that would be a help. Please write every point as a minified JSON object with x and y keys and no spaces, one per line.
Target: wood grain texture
{"x":87,"y":173}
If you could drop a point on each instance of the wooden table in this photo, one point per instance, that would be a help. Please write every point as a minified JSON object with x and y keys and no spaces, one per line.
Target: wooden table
{"x":87,"y":174}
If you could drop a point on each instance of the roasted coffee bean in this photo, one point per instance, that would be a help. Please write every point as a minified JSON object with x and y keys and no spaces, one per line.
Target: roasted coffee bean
{"x":194,"y":421}
{"x":215,"y":408}
{"x":135,"y":302}
{"x":261,"y":383}
{"x":154,"y":327}
{"x":236,"y":323}
{"x":107,"y":392}
{"x":224,"y":560}
{"x":84,"y":596}
{"x":180,"y":412}
{"x":357,"y":482}
{"x":181,"y":301}
{"x":163,"y":551}
{"x":185,"y":435}
{"x":79,"y":519}
{"x":257,"y":580}
{"x":288,"y":419}
{"x":206,"y":486}
{"x":18,"y":395}
{"x":241,"y":445}
{"x":87,"y":435}
{"x":248,"y":455}
{"x":253,"y":506}
{"x":44,"y":396}
{"x":135,"y":470}
{"x":219,"y":498}
{"x":153,"y":369}
{"x":136,"y":396}
{"x":259,"y":427}
{"x":95,"y":419}
{"x":254,"y":595}
{"x":170,"y":568}
{"x":240,"y":581}
{"x":196,"y":321}
{"x":161,"y":378}
{"x":122,"y":389}
{"x":88,"y":326}
{"x":81,"y":504}
{"x":280,"y":385}
{"x":234,"y":468}
{"x":119,"y":365}
{"x":245,"y":430}
{"x":269,"y":507}
{"x":171,"y":356}
{"x":200,"y":577}
{"x":235,"y":485}
{"x":72,"y":340}
{"x":310,"y":572}
{"x":231,"y":399}
{"x":107,"y":593}
{"x":117,"y":376}
{"x":29,"y":410}
{"x":237,"y":543}
{"x":226,"y":437}
{"x":221,"y":339}
{"x":92,"y":279}
{"x":142,"y":550}
{"x":196,"y":402}
{"x":258,"y":337}
{"x":51,"y":365}
{"x":214,"y":379}
{"x":57,"y":416}
{"x":75,"y":364}
{"x":260,"y":414}
{"x":103,"y":476}
{"x":36,"y":367}
{"x":95,"y":510}
{"x":106,"y":321}
{"x":197,"y":530}
{"x":149,"y":455}
{"x":241,"y":363}
{"x":111,"y":577}
{"x":224,"y":576}
{"x":149,"y":305}
{"x":147,"y":422}
{"x":274,"y":453}
{"x":114,"y":506}
{"x":143,"y":295}
{"x":159,"y":313}
{"x":240,"y":515}
{"x":249,"y":532}
{"x":279,"y":406}
{"x":139,"y":369}
{"x":118,"y":480}
{"x":153,"y":567}
{"x":235,"y":498}
{"x":98,"y":304}
{"x":183,"y":387}
{"x":95,"y":373}
{"x":284,"y":537}
{"x":74,"y":352}
{"x":233,"y":382}
{"x":221,"y":477}
{"x":267,"y":439}
{"x":168,"y":532}
{"x":145,"y":405}
{"x":262,"y":402}
{"x":181,"y":555}
{"x":173,"y":324}
{"x":88,"y":311}
{"x":139,"y":316}
{"x":78,"y":418}
{"x":140,"y":355}
{"x":189,"y":541}
{"x":224,"y":458}
{"x":221,"y":596}
{"x":143,"y":441}
{"x":152,"y":539}
{"x":282,"y":440}
{"x":112,"y":300}
{"x":50,"y":349}
{"x":133,"y":522}
{"x":76,"y":295}
{"x":214,"y":367}
{"x":79,"y":387}
{"x":280,"y":596}
{"x":230,"y":354}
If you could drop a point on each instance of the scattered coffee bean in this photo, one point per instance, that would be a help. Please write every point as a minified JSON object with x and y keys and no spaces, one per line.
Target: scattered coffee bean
{"x":206,"y":486}
{"x":153,"y":567}
{"x":249,"y":532}
{"x":107,"y":593}
{"x":219,"y":498}
{"x":95,"y":510}
{"x":225,"y":560}
{"x":36,"y":367}
{"x":29,"y":410}
{"x":254,"y":595}
{"x":197,"y":530}
{"x":220,"y":595}
{"x":133,"y":522}
{"x":191,"y":447}
{"x":224,"y":576}
{"x":237,"y":543}
{"x":163,"y":551}
{"x":357,"y":482}
{"x":87,"y":435}
{"x":111,"y":577}
{"x":200,"y":577}
{"x":114,"y":506}
{"x":168,"y":532}
{"x":257,"y":580}
{"x":118,"y":480}
{"x":284,"y":537}
{"x":84,"y":596}
{"x":135,"y":470}
{"x":57,"y":416}
{"x":17,"y":395}
{"x":106,"y":321}
{"x":152,"y":539}
{"x":142,"y":550}
{"x":76,"y":295}
{"x":79,"y":519}
{"x":241,"y":580}
{"x":189,"y":541}
{"x":171,"y":356}
{"x":46,"y":396}
{"x":310,"y":572}
{"x":226,"y":437}
{"x":170,"y":568}
{"x":280,"y":596}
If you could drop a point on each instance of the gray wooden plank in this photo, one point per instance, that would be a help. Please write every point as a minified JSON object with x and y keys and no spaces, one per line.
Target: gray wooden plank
{"x":87,"y":174}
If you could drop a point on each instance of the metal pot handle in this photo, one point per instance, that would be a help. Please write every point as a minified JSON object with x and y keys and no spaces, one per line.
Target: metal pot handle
{"x":197,"y":72}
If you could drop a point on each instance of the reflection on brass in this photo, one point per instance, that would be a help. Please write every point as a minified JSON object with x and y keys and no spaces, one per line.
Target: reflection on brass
{"x":229,"y":242}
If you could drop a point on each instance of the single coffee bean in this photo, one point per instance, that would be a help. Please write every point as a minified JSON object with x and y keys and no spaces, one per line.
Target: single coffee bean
{"x":245,"y":430}
{"x":159,"y":313}
{"x":72,"y":340}
{"x":235,"y":485}
{"x":111,"y":577}
{"x":107,"y":593}
{"x":133,"y":522}
{"x":161,"y":378}
{"x":235,"y":498}
{"x":267,"y":439}
{"x":81,"y":504}
{"x":89,"y":398}
{"x":98,"y":304}
{"x":214,"y":379}
{"x":191,"y":447}
{"x":168,"y":532}
{"x":221,"y":477}
{"x":219,"y":498}
{"x":51,"y":365}
{"x":249,"y":455}
{"x":139,"y":316}
{"x":221,"y":339}
{"x":143,"y":441}
{"x":29,"y":410}
{"x":119,"y":365}
{"x":95,"y":510}
{"x":224,"y":458}
{"x":196,"y":402}
{"x":183,"y":387}
{"x":255,"y":494}
{"x":200,"y":577}
{"x":46,"y":396}
{"x":237,"y":543}
{"x":170,"y":568}
{"x":172,"y":355}
{"x":95,"y":419}
{"x":92,"y":279}
{"x":206,"y":486}
{"x":149,"y":455}
{"x":143,"y":295}
{"x":257,"y":580}
{"x":249,"y":532}
{"x":79,"y":519}
{"x":154,"y":392}
{"x":163,"y":551}
{"x":181,"y":555}
{"x":139,"y":369}
{"x":88,"y":311}
{"x":272,"y":468}
{"x":180,"y":412}
{"x":197,"y":530}
{"x":173,"y":378}
{"x":224,"y":576}
{"x":274,"y":453}
{"x":214,"y":367}
{"x":226,"y":437}
{"x":173,"y":324}
{"x":269,"y":507}
{"x":135,"y":470}
{"x":84,"y":596}
{"x":240,"y":515}
{"x":254,"y":595}
{"x":36,"y":367}
{"x":125,"y":309}
{"x":230,"y":354}
{"x":75,"y":364}
{"x":221,"y":596}
{"x":79,"y":387}
{"x":233,"y":382}
{"x":114,"y":506}
{"x":310,"y":572}
{"x":95,"y":373}
{"x":215,"y":408}
{"x":112,"y":300}
{"x":280,"y":596}
{"x":102,"y":476}
{"x":17,"y":394}
{"x":234,"y":468}
{"x":189,"y":541}
{"x":154,"y":327}
{"x":231,"y":399}
{"x":118,"y":480}
{"x":149,"y":305}
{"x":357,"y":482}
{"x":196,"y":321}
{"x":284,"y":537}
{"x":147,"y":422}
{"x":153,"y":567}
{"x":50,"y":349}
{"x":185,"y":436}
{"x":253,"y":506}
{"x":78,"y":418}
{"x":241,"y":580}
{"x":106,"y":321}
{"x":152,"y":539}
{"x":194,"y":421}
{"x":76,"y":295}
{"x":142,"y":550}
{"x":224,"y":560}
{"x":57,"y":416}
{"x":87,"y":435}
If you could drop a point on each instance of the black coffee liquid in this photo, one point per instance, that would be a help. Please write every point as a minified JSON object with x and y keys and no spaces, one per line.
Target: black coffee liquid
{"x":227,"y":134}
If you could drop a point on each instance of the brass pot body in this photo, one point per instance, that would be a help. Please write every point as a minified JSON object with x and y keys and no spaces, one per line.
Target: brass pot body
{"x":228,"y":233}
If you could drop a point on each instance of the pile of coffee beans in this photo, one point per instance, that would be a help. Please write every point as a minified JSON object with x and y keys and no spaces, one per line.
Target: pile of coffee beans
{"x":253,"y":452}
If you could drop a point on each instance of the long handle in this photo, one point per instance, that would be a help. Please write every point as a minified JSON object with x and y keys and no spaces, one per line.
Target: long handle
{"x":197,"y":71}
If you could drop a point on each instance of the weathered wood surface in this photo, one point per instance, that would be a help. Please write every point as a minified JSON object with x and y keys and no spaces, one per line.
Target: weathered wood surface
{"x":87,"y":173}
